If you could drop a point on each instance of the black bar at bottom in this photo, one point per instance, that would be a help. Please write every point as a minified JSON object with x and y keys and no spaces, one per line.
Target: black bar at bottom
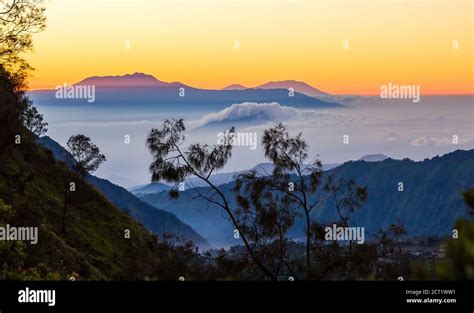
{"x":78,"y":296}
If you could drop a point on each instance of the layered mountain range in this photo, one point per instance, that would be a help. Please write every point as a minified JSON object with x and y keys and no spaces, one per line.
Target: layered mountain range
{"x":297,"y":86}
{"x":429,"y":203}
{"x":158,"y":221}
{"x":121,"y":90}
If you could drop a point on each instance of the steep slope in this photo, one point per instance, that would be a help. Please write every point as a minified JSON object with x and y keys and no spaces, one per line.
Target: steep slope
{"x":157,"y":221}
{"x":429,"y":204}
{"x":431,"y":200}
{"x":93,"y":245}
{"x":210,"y":220}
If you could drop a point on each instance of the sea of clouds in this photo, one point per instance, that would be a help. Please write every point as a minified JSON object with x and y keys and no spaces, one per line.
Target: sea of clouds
{"x":395,"y":128}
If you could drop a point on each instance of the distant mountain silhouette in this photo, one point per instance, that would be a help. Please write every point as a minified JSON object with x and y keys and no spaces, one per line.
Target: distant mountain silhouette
{"x":169,"y":96}
{"x":128,"y":80}
{"x":142,"y":89}
{"x":298,"y":86}
{"x":157,"y":221}
{"x":373,"y":157}
{"x":149,"y":188}
{"x":217,"y":179}
{"x":267,"y":168}
{"x":429,"y":204}
{"x":146,"y":80}
{"x":234,"y":87}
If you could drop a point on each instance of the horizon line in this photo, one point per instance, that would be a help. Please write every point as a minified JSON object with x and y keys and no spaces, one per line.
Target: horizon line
{"x":49,"y":87}
{"x":248,"y":88}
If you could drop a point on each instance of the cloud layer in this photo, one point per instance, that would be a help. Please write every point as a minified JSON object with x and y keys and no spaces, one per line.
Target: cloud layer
{"x":251,"y":112}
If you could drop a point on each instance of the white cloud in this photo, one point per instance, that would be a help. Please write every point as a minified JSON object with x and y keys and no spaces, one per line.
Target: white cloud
{"x":419,"y":142}
{"x":251,"y":111}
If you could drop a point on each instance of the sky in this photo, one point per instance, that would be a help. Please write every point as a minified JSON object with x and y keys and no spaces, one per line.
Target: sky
{"x":338,"y":46}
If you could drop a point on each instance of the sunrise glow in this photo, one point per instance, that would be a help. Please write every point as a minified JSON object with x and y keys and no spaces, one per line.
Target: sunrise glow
{"x":341,"y":47}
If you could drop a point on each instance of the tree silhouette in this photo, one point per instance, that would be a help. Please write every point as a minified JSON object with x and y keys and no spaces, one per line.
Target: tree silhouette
{"x":19,"y":19}
{"x":173,"y":164}
{"x":265,"y":218}
{"x":33,"y":121}
{"x":459,"y":261}
{"x":294,"y":188}
{"x":87,"y":155}
{"x":266,"y":206}
{"x":469,"y":199}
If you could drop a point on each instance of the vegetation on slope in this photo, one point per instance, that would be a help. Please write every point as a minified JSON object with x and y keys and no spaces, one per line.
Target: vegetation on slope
{"x":93,"y":244}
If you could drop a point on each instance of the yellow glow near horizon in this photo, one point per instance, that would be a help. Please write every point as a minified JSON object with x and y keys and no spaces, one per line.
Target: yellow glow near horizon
{"x":399,"y":41}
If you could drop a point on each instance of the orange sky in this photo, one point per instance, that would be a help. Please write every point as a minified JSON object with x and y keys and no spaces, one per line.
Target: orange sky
{"x":214,"y":43}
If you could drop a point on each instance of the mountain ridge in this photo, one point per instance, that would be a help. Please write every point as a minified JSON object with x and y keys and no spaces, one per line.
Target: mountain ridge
{"x":217,"y":179}
{"x":429,"y":204}
{"x":158,"y":221}
{"x":298,"y":86}
{"x":143,"y":80}
{"x":373,"y":157}
{"x":81,"y":235}
{"x":234,"y":87}
{"x":127,"y":80}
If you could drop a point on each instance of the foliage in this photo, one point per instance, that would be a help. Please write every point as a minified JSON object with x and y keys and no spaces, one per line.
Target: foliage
{"x":33,"y":121}
{"x":19,"y":19}
{"x":32,"y":191}
{"x":265,"y":207}
{"x":86,"y":154}
{"x":469,"y":199}
{"x":173,"y":164}
{"x":459,"y":261}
